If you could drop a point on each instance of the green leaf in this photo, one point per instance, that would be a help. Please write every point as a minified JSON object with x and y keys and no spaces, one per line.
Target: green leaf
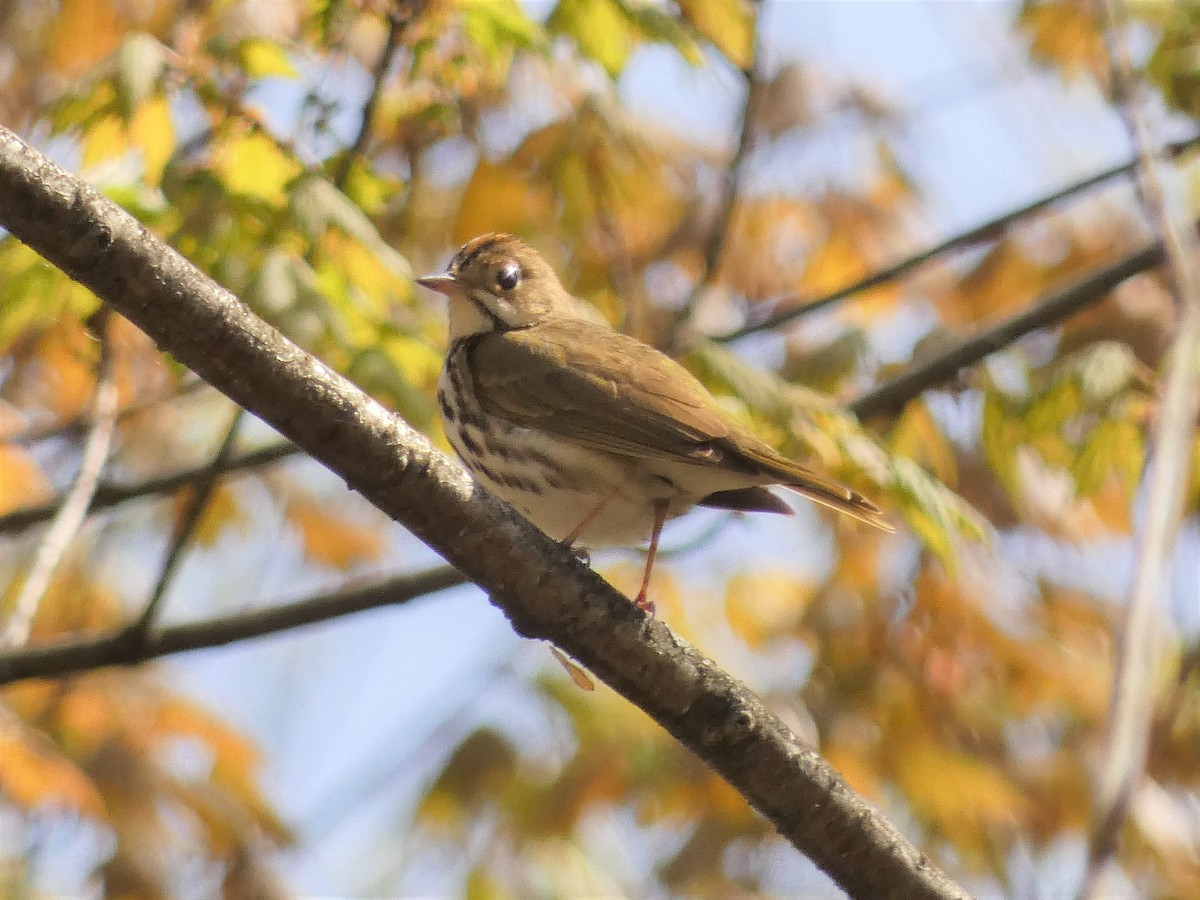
{"x":1113,"y":444}
{"x":497,"y":26}
{"x":317,"y":204}
{"x":140,"y":63}
{"x":254,"y":166}
{"x":1105,"y":369}
{"x":1000,"y":437}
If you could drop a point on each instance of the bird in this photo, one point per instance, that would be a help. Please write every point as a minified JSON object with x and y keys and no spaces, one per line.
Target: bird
{"x":596,"y":437}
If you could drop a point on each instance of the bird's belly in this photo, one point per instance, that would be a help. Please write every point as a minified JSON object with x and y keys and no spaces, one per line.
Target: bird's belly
{"x":560,"y":486}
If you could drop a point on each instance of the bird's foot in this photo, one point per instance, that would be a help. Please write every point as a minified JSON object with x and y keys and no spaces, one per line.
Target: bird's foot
{"x":580,"y":553}
{"x":644,"y":604}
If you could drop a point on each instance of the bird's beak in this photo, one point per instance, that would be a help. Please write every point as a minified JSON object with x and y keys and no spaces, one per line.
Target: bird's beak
{"x":443,"y":284}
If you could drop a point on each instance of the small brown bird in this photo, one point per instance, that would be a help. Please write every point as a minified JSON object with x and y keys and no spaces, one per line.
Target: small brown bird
{"x":596,"y":437}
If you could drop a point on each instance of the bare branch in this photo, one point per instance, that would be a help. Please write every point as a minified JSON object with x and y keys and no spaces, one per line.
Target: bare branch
{"x":125,"y":648}
{"x":46,"y":431}
{"x":989,"y":230}
{"x":73,"y":510}
{"x":890,"y":397}
{"x":109,"y":495}
{"x":1142,"y":648}
{"x":714,"y":245}
{"x":201,"y":491}
{"x":398,"y":22}
{"x":543,"y":589}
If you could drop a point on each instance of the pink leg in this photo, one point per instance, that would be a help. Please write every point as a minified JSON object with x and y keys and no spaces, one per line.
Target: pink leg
{"x":660,"y":516}
{"x":579,"y":529}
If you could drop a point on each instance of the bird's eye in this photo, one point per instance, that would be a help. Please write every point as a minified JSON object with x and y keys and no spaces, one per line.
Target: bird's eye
{"x":509,"y":276}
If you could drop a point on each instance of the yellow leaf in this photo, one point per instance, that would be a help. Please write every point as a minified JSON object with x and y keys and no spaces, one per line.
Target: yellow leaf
{"x":87,"y":718}
{"x":856,"y":763}
{"x":503,"y":197}
{"x":727,"y":24}
{"x":176,"y":717}
{"x":599,"y":27}
{"x":262,"y":58}
{"x":1000,"y":437}
{"x":581,"y":678}
{"x":917,"y":436}
{"x":254,"y":166}
{"x":64,"y":358}
{"x":374,"y":283}
{"x":1004,"y":278}
{"x":955,"y":793}
{"x":764,"y":606}
{"x":235,"y":764}
{"x":330,"y":540}
{"x":1111,"y":503}
{"x":105,"y":139}
{"x":152,"y":129}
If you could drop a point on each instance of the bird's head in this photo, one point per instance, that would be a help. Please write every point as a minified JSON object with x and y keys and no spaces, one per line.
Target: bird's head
{"x":497,"y":283}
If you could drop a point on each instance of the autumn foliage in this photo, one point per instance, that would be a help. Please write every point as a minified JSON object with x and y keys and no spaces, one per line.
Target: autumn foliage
{"x":313,"y":157}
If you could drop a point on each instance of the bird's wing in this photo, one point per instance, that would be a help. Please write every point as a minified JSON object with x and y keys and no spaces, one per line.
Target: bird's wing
{"x":560,"y":378}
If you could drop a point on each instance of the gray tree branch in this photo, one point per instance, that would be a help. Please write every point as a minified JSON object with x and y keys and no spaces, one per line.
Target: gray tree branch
{"x":1143,"y":647}
{"x":989,"y":230}
{"x":543,"y":589}
{"x":127,"y":647}
{"x":890,"y":396}
{"x":109,"y":495}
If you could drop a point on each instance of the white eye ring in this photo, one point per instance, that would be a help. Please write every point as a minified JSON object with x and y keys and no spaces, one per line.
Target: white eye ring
{"x":509,"y":276}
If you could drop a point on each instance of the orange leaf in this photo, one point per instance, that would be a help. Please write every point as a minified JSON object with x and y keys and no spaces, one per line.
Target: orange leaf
{"x":223,"y":510}
{"x":333,"y":541}
{"x":35,"y":778}
{"x":21,"y":481}
{"x":85,"y":31}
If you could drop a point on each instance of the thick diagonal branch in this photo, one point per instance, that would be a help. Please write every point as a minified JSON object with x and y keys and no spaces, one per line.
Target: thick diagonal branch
{"x":543,"y":589}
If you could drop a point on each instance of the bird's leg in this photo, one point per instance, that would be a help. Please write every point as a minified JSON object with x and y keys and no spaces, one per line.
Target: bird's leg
{"x":574,"y":533}
{"x":660,"y":516}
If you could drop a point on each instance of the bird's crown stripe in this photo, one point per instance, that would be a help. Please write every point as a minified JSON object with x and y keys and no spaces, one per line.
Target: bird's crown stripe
{"x":472,"y":249}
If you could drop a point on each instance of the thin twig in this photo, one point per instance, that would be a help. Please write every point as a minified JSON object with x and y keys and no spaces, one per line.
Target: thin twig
{"x":398,"y":22}
{"x":74,"y":505}
{"x":987,"y":231}
{"x":891,"y":396}
{"x":82,"y":654}
{"x":714,"y":245}
{"x":1140,"y":657}
{"x":623,"y":277}
{"x":201,"y":491}
{"x":109,"y":495}
{"x":44,"y":432}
